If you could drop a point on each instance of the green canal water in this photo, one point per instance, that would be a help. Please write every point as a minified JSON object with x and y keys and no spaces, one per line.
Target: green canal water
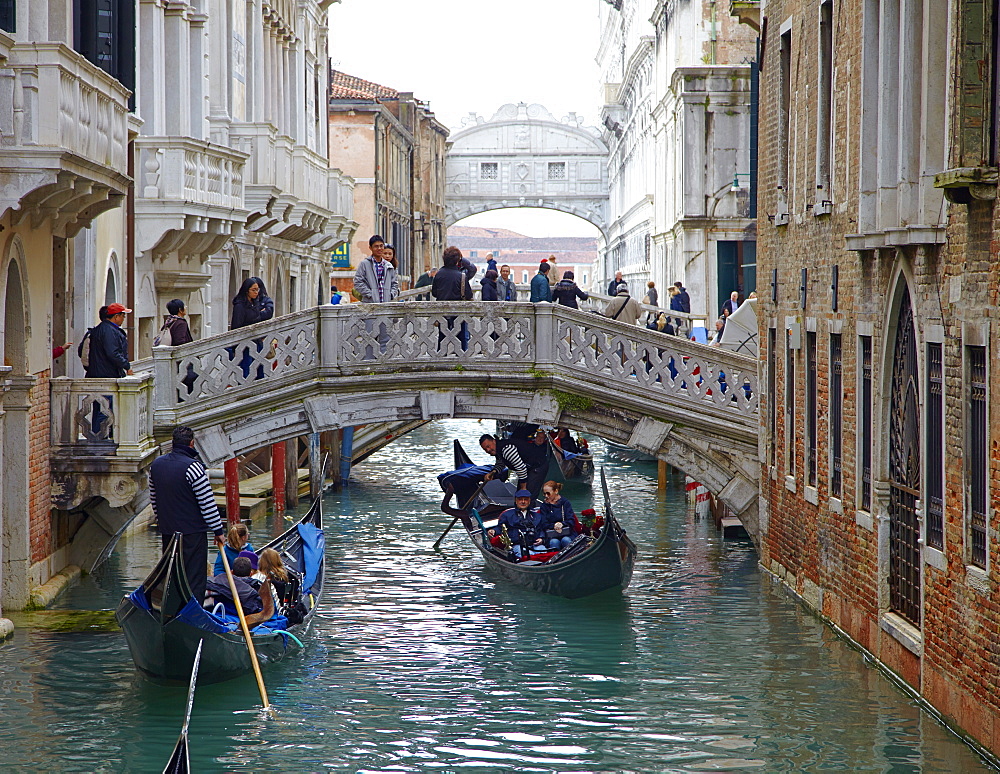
{"x":421,"y":661}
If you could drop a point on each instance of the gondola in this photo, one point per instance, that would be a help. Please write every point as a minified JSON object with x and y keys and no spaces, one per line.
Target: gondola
{"x":573,"y":467}
{"x":180,"y":759}
{"x":589,"y":565}
{"x":163,"y":623}
{"x":627,"y":454}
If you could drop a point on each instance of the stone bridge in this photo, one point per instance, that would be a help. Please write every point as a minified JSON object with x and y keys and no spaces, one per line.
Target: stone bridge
{"x":403,"y":363}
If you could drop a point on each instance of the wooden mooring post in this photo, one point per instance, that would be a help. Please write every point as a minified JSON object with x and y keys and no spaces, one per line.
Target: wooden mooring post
{"x":232,"y":470}
{"x":661,"y":476}
{"x":278,"y":479}
{"x":315,"y":466}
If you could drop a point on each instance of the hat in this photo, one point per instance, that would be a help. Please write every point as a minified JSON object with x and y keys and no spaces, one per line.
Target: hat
{"x":522,"y":493}
{"x":251,"y":556}
{"x":114,"y":309}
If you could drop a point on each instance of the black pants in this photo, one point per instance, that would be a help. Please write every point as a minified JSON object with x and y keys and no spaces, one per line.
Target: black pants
{"x":195,"y":557}
{"x":536,"y":479}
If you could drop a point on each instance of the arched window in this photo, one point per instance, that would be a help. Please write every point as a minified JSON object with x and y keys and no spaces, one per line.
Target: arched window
{"x":111,"y":287}
{"x":14,"y":333}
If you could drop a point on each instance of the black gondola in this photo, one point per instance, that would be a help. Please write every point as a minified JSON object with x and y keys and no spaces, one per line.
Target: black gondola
{"x":573,"y":467}
{"x":180,"y":759}
{"x":589,"y":565}
{"x":163,"y":623}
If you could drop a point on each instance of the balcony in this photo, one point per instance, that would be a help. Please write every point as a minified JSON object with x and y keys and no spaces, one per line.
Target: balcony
{"x":291,"y":191}
{"x":747,"y":12}
{"x":102,"y":438}
{"x":190,"y":196}
{"x":66,"y":139}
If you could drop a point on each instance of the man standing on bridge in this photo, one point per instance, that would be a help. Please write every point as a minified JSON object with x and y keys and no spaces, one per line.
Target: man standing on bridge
{"x":186,"y":505}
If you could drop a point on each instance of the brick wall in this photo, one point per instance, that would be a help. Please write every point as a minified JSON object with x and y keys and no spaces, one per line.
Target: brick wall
{"x":827,"y":548}
{"x":39,"y":494}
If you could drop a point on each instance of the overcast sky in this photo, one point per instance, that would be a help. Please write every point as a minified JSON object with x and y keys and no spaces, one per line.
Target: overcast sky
{"x":471,"y":55}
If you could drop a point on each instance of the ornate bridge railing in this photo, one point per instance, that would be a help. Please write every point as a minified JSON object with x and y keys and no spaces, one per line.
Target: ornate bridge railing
{"x":331,"y":348}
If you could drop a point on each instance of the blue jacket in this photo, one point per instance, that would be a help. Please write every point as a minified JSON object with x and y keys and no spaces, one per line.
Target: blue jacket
{"x":231,"y":554}
{"x":108,"y":352}
{"x":540,"y":288}
{"x":514,"y":523}
{"x":561,"y":511}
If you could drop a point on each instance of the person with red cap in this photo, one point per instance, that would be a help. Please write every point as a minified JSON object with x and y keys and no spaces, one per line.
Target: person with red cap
{"x":108,"y":357}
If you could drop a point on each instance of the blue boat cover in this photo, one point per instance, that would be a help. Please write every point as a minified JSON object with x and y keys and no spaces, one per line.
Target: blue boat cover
{"x":138,"y":598}
{"x":313,"y":548}
{"x":195,"y":615}
{"x":465,"y":480}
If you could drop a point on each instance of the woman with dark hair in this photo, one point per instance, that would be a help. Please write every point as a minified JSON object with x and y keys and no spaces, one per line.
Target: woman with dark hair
{"x":252,"y":304}
{"x":489,"y":284}
{"x":566,"y":291}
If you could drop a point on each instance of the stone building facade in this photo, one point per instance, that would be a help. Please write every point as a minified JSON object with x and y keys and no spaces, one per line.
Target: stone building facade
{"x":676,"y":84}
{"x":138,"y":184}
{"x":394,"y":147}
{"x":878,"y":242}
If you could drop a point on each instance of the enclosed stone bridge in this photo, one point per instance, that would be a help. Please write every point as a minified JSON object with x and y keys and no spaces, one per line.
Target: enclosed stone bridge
{"x":525,"y":157}
{"x":342,"y":366}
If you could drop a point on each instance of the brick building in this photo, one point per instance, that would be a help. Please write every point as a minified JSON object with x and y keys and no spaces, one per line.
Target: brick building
{"x":878,"y":276}
{"x":394,"y":147}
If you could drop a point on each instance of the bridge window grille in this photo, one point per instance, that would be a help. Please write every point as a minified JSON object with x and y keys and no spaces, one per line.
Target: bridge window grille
{"x":904,"y":471}
{"x":811,"y":412}
{"x":978,"y":456}
{"x":790,"y":407}
{"x":557,"y":170}
{"x":489,"y":170}
{"x":865,"y":422}
{"x":8,"y":15}
{"x":836,"y":413}
{"x":772,"y":402}
{"x":935,"y":446}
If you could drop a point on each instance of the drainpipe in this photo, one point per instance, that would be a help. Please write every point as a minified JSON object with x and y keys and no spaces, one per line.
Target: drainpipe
{"x":713,"y":34}
{"x":133,"y":332}
{"x":346,"y":451}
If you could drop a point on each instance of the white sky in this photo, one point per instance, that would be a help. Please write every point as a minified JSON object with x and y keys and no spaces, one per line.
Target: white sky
{"x":475,"y":55}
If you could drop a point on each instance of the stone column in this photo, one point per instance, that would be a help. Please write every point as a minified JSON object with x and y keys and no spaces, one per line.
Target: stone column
{"x":15,"y":564}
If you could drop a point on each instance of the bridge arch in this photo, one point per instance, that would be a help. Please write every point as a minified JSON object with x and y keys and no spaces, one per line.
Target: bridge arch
{"x":524,"y":157}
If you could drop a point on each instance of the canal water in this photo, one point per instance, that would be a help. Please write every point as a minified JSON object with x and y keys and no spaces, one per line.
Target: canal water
{"x":421,"y":661}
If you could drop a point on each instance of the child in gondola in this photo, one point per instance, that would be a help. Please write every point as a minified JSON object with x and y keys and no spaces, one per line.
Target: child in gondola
{"x":237,"y":540}
{"x":286,"y":583}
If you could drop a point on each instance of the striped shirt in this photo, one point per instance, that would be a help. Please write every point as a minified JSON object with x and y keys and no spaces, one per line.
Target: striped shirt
{"x":508,"y":454}
{"x":188,"y":503}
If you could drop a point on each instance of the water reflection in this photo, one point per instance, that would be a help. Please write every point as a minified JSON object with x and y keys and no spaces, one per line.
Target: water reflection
{"x":422,"y":660}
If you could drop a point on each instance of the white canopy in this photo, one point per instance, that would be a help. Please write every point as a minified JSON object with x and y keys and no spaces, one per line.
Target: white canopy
{"x":740,"y":334}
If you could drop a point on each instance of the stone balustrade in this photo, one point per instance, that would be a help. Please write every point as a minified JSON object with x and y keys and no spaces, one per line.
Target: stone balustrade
{"x":65,"y":134}
{"x":113,"y":414}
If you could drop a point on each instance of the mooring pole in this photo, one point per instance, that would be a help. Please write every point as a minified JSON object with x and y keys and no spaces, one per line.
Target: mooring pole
{"x":661,"y":475}
{"x":315,"y":466}
{"x":232,"y":468}
{"x":278,"y":479}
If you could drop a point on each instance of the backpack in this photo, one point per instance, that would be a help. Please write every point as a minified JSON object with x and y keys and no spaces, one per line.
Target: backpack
{"x":83,"y":350}
{"x":163,"y":338}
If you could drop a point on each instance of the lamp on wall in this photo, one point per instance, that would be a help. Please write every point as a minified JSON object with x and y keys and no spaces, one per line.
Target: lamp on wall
{"x":736,"y":187}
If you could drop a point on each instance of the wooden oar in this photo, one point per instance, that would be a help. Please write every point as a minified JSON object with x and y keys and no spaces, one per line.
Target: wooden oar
{"x":246,"y":630}
{"x":447,"y":529}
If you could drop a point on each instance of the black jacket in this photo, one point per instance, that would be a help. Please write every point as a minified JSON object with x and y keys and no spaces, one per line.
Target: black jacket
{"x":566,"y":292}
{"x":108,"y":352}
{"x":181,"y":494}
{"x":246,"y":312}
{"x":449,"y":283}
{"x":490,"y":289}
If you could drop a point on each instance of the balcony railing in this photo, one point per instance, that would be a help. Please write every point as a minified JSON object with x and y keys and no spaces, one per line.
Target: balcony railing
{"x":110,"y":417}
{"x":182,"y":169}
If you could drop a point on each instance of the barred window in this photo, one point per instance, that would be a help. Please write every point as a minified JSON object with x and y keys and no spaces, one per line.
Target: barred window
{"x":935,"y":447}
{"x":557,"y":170}
{"x":865,"y":422}
{"x":811,"y":412}
{"x":836,"y":414}
{"x":489,"y":170}
{"x":978,"y":456}
{"x":772,"y":402}
{"x":790,"y":407}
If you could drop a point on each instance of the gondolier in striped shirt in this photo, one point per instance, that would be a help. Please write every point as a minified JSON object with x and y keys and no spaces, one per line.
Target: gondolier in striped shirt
{"x":507,"y":455}
{"x":186,"y":504}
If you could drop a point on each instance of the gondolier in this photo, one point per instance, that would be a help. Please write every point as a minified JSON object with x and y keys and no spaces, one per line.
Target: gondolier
{"x":187,"y":505}
{"x":507,"y":454}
